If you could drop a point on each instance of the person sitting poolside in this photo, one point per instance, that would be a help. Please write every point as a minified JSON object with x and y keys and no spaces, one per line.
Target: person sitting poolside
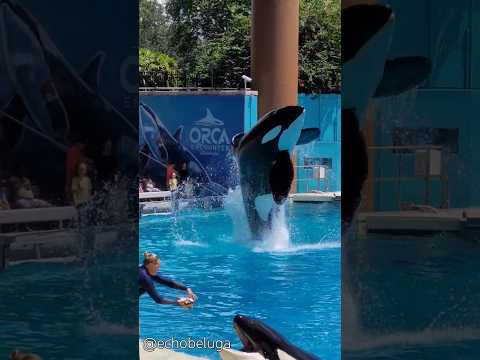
{"x":24,"y":197}
{"x":150,"y":186}
{"x":148,"y":276}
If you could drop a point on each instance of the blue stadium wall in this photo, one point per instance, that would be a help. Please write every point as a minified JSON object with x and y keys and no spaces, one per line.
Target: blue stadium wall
{"x":321,"y":111}
{"x":234,"y":112}
{"x":448,"y":33}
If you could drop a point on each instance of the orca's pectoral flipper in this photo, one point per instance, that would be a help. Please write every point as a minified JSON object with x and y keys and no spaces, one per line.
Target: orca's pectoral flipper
{"x":359,"y":24}
{"x":281,"y":176}
{"x":308,"y":135}
{"x":403,"y":74}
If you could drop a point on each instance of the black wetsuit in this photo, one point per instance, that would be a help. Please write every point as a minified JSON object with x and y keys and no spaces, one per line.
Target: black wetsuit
{"x":147,"y":285}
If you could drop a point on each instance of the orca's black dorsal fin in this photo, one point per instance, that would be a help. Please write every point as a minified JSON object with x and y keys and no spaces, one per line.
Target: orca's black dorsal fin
{"x":178,"y":134}
{"x":308,"y":135}
{"x":91,"y":72}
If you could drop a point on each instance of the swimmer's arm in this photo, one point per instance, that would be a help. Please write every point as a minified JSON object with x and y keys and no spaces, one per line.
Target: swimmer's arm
{"x":169,"y":282}
{"x":158,"y":298}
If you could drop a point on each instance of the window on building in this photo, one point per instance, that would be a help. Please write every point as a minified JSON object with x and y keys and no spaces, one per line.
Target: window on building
{"x":447,"y":138}
{"x":315,"y":161}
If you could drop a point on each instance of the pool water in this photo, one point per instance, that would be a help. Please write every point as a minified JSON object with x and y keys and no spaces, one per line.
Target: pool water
{"x":73,"y":310}
{"x":295,"y":289}
{"x":412,"y":298}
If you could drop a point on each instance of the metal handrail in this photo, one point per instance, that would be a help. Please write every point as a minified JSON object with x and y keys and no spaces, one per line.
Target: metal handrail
{"x":193,"y":88}
{"x":308,"y":180}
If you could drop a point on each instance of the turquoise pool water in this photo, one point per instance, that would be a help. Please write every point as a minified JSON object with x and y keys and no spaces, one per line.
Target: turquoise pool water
{"x":295,"y":288}
{"x":75,"y":311}
{"x":412,"y":298}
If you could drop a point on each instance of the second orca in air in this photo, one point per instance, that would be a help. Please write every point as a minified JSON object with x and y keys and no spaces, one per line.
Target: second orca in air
{"x":265,"y":165}
{"x":259,"y":338}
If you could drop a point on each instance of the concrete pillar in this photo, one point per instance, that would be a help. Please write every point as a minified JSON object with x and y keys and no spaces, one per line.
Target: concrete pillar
{"x":274,"y":50}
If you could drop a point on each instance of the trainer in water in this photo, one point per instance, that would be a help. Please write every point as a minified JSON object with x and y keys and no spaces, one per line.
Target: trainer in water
{"x":265,"y":165}
{"x":258,"y":337}
{"x":148,"y":276}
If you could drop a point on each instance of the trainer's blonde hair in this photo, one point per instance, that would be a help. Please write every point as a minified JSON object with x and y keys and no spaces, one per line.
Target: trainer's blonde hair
{"x":149,"y":258}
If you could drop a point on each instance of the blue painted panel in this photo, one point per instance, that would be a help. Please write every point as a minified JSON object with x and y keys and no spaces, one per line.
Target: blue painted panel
{"x":322,"y":111}
{"x":209,"y":123}
{"x":250,"y":112}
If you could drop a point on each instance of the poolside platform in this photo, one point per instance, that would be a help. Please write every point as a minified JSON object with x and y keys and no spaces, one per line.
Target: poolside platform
{"x":421,"y":221}
{"x":24,"y":241}
{"x":157,"y":195}
{"x":316,"y":196}
{"x":20,"y":243}
{"x":155,"y":202}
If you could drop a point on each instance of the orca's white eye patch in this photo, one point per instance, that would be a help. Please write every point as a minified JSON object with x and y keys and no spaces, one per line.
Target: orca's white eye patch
{"x":290,"y":136}
{"x":263,"y":205}
{"x":272,"y":134}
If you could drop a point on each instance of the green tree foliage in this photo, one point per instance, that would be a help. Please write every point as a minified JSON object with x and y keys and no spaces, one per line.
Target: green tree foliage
{"x":319,"y":48}
{"x":157,"y":69}
{"x":153,"y":26}
{"x":210,"y":39}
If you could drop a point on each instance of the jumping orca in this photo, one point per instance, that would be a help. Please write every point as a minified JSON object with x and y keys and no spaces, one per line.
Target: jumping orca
{"x":265,"y":166}
{"x":367,"y":73}
{"x":258,"y":337}
{"x":159,"y":148}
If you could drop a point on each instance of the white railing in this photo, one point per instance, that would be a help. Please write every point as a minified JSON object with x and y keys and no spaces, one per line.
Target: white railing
{"x":430,"y":163}
{"x":193,"y":89}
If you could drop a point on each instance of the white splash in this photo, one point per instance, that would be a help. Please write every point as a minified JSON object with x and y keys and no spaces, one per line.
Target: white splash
{"x":277,"y":238}
{"x":189,"y":243}
{"x":233,"y":205}
{"x":294,"y":249}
